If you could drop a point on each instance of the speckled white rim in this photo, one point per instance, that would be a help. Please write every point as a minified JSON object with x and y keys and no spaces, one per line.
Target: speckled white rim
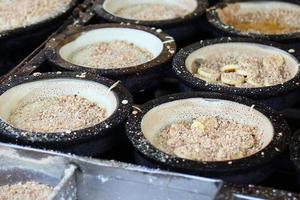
{"x":242,"y":48}
{"x":137,"y":124}
{"x":93,"y":91}
{"x":188,"y":109}
{"x":112,"y":6}
{"x":40,"y":23}
{"x":141,"y":39}
{"x":250,"y":7}
{"x":268,"y":7}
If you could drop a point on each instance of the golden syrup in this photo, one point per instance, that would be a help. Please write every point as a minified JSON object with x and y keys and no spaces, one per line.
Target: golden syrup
{"x":263,"y":26}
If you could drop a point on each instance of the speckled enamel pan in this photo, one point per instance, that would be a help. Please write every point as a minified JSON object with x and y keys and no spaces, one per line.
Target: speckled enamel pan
{"x":89,"y":141}
{"x":251,"y":192}
{"x":295,"y":152}
{"x":180,"y":28}
{"x":134,"y":78}
{"x":278,"y":96}
{"x":23,"y":36}
{"x":151,"y":117}
{"x":225,"y":30}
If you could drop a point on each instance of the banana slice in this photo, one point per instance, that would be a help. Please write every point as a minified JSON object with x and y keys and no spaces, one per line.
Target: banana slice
{"x":232,"y":78}
{"x":202,"y":78}
{"x":208,"y":121}
{"x":238,"y":155}
{"x":198,"y":126}
{"x":208,"y":74}
{"x":273,"y":62}
{"x":248,"y":70}
{"x":255,"y":81}
{"x":230,"y":68}
{"x":270,"y":80}
{"x":247,"y":85}
{"x":196,"y":64}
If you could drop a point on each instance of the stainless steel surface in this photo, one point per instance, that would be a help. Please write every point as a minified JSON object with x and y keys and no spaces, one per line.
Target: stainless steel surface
{"x":67,"y":188}
{"x":88,"y":179}
{"x":17,"y":165}
{"x":97,"y":179}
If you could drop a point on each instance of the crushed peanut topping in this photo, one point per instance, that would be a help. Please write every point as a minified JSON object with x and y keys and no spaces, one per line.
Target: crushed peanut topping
{"x":277,"y":21}
{"x":246,"y":71}
{"x":25,"y":191}
{"x":56,"y":114}
{"x":21,"y":13}
{"x":148,"y":12}
{"x":210,"y":139}
{"x":114,"y":54}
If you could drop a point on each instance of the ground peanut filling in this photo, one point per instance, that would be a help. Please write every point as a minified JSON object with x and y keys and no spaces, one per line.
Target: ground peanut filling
{"x":242,"y":70}
{"x":56,"y":114}
{"x":210,"y":139}
{"x":110,"y":55}
{"x":148,"y":12}
{"x":25,"y":191}
{"x":279,"y":21}
{"x":21,"y":13}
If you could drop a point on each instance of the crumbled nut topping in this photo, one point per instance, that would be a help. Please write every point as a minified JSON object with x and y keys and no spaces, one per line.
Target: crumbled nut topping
{"x":210,"y":139}
{"x":246,"y":71}
{"x":25,"y":191}
{"x":21,"y":13}
{"x":114,"y":54}
{"x":277,"y":21}
{"x":56,"y":114}
{"x":148,"y":12}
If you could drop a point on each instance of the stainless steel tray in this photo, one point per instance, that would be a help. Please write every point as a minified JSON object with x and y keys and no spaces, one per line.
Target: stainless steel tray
{"x":88,"y":179}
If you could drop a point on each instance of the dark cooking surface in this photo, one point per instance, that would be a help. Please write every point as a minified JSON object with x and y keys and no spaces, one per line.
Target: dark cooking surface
{"x":285,"y":175}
